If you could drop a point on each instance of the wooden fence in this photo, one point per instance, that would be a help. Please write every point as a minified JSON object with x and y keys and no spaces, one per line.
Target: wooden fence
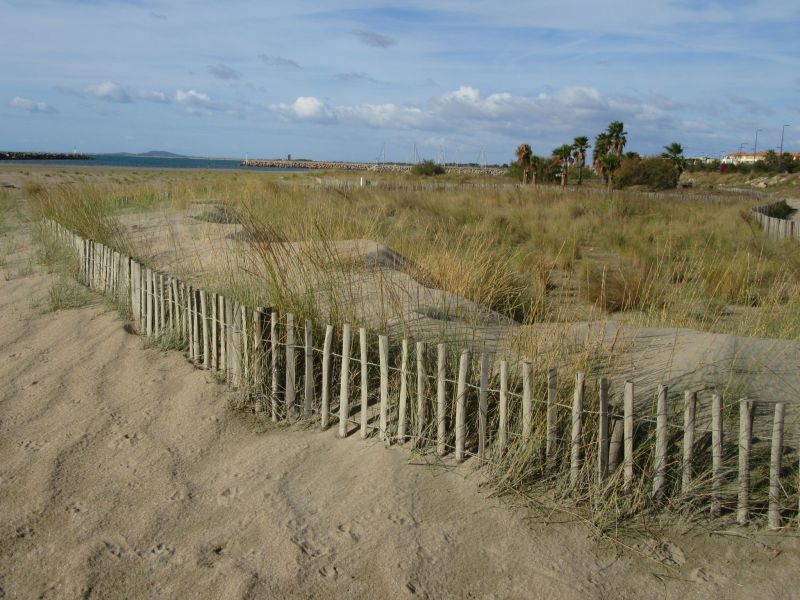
{"x":445,"y":400}
{"x":776,"y":226}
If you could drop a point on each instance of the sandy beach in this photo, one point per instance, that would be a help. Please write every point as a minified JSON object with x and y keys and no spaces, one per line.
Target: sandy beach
{"x":126,"y":474}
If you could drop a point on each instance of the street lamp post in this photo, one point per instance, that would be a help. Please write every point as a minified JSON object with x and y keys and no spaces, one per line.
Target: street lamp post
{"x":780,"y":159}
{"x":755,"y":146}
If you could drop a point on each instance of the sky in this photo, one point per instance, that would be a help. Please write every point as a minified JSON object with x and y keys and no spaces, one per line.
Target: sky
{"x":360,"y":80}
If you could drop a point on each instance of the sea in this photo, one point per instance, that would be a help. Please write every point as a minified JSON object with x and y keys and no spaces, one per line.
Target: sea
{"x":150,"y":162}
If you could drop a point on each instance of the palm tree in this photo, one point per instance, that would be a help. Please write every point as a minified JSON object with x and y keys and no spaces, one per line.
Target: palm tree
{"x":562,"y":154}
{"x":580,"y":145}
{"x":602,"y":143}
{"x":524,"y":154}
{"x":618,"y":137}
{"x":610,"y":165}
{"x":674,"y":153}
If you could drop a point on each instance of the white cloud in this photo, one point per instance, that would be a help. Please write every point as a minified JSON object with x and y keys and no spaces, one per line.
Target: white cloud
{"x":305,"y":108}
{"x":109,"y":91}
{"x":570,"y":109}
{"x":201,"y":103}
{"x":33,"y":106}
{"x":152,"y":96}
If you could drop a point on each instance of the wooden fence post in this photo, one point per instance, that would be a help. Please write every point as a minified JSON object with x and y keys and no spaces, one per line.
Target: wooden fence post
{"x":690,"y":406}
{"x":401,"y":407}
{"x":344,"y":384}
{"x":421,"y":385}
{"x":602,"y":432}
{"x":214,"y":336}
{"x":224,"y":336}
{"x":289,"y":391}
{"x":576,"y":454}
{"x":745,"y":446}
{"x":258,"y":354}
{"x":659,"y":479}
{"x":308,"y":377}
{"x":527,"y":400}
{"x":206,"y":340}
{"x":364,"y":416}
{"x":244,"y":346}
{"x":461,"y":404}
{"x":326,"y":378}
{"x":149,"y":303}
{"x":716,"y":453}
{"x":273,"y":356}
{"x":441,"y":399}
{"x":628,"y":437}
{"x":483,"y":405}
{"x":776,"y":451}
{"x":502,"y":426}
{"x":383,"y":352}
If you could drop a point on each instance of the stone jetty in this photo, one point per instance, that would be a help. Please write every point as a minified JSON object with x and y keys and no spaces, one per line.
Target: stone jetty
{"x":332,"y":165}
{"x":44,"y":156}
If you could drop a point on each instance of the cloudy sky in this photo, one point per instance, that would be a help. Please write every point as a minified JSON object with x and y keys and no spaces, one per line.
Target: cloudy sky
{"x":344,"y":80}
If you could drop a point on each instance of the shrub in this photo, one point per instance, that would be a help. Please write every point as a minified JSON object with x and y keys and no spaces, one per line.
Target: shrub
{"x":427,"y":167}
{"x":652,"y":173}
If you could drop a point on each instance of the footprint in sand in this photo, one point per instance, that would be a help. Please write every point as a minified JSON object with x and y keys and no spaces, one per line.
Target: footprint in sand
{"x":228,"y":495}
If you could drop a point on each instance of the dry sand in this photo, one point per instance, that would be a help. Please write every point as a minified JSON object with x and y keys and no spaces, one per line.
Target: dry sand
{"x":124,"y":474}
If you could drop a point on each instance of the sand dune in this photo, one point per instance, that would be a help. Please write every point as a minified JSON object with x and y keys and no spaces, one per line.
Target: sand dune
{"x":124,"y":474}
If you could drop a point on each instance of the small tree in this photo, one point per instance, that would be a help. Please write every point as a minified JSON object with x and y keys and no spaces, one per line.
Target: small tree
{"x":674,"y":154}
{"x":580,"y":145}
{"x":427,"y":168}
{"x":610,"y":165}
{"x":562,"y":154}
{"x":524,"y":155}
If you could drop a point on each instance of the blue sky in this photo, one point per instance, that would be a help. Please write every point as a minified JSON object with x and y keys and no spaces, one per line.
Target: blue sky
{"x":340,"y":81}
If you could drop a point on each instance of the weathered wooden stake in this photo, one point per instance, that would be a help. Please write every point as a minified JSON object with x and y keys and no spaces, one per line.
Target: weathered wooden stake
{"x":483,"y":405}
{"x":206,"y":337}
{"x":362,"y":343}
{"x":461,"y":404}
{"x":602,"y":431}
{"x":401,"y":407}
{"x":289,"y":391}
{"x":326,"y":378}
{"x":576,"y":455}
{"x":716,"y":453}
{"x":689,"y":409}
{"x":660,"y":478}
{"x":421,"y":385}
{"x":344,"y":384}
{"x":223,"y":335}
{"x":502,"y":426}
{"x":162,"y":298}
{"x":383,"y":354}
{"x":149,"y":300}
{"x":273,"y":357}
{"x":441,"y":399}
{"x":628,"y":437}
{"x":214,"y":336}
{"x":244,"y":345}
{"x":527,"y":400}
{"x":776,"y":451}
{"x":308,"y":375}
{"x":745,"y":446}
{"x":258,"y":355}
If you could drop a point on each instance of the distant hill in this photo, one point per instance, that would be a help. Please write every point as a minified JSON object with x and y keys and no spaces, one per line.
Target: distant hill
{"x":151,"y":154}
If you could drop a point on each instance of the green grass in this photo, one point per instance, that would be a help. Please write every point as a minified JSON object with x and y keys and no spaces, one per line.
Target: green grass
{"x":64,"y":294}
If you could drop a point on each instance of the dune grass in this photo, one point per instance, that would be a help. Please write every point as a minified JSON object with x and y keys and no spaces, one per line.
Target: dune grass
{"x":536,"y":255}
